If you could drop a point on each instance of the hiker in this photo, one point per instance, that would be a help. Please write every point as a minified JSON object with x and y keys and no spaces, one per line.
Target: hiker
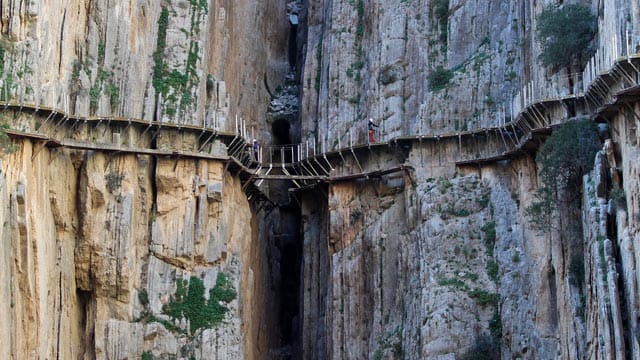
{"x":256,"y":150}
{"x":372,"y":125}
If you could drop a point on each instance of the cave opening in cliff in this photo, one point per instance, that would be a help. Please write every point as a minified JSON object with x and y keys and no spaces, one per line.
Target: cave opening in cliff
{"x":280,"y":130}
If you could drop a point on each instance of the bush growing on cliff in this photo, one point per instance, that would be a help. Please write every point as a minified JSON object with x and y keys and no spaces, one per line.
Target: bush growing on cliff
{"x":565,"y":156}
{"x":439,"y":78}
{"x":189,"y":302}
{"x":565,"y":34}
{"x":440,"y":11}
{"x":6,"y":144}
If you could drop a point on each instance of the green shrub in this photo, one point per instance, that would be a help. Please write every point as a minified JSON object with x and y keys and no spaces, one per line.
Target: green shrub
{"x":189,"y":302}
{"x":565,"y":156}
{"x":489,"y":230}
{"x":456,"y":283}
{"x":143,"y":296}
{"x":440,"y":11}
{"x":457,"y":212}
{"x":444,"y":185}
{"x":439,"y":78}
{"x":471,"y":276}
{"x":484,"y":200}
{"x":484,"y":297}
{"x":565,"y":34}
{"x":618,"y":196}
{"x":493,"y":270}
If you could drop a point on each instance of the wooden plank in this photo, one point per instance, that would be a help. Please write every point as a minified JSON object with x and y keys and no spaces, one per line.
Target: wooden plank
{"x":371,"y":174}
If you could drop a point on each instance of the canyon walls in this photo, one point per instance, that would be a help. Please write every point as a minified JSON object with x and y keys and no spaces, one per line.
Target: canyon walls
{"x":566,"y":292}
{"x":114,"y":254}
{"x":99,"y":246}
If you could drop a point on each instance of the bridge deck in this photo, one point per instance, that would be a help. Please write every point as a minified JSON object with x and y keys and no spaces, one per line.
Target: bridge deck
{"x":517,"y":135}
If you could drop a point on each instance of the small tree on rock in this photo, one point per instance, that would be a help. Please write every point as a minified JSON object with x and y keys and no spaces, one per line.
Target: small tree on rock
{"x":565,"y":34}
{"x":565,"y":156}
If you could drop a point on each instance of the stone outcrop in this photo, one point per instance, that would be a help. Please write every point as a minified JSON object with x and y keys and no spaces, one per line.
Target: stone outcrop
{"x":407,"y":269}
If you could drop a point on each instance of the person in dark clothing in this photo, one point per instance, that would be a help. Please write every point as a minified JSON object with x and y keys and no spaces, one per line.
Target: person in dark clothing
{"x":372,"y":127}
{"x":256,"y":150}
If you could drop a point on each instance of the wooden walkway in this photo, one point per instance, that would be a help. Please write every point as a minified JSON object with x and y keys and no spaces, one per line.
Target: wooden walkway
{"x":608,"y":92}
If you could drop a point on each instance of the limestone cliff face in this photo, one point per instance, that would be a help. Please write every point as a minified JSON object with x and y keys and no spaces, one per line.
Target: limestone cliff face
{"x":610,"y":243}
{"x":157,"y":60}
{"x":106,"y":241}
{"x":375,"y":59}
{"x":106,"y":254}
{"x":426,"y":66}
{"x":95,"y":246}
{"x":390,"y":269}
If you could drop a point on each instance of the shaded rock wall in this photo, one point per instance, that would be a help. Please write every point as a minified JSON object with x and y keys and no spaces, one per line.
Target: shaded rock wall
{"x":377,"y":60}
{"x":610,"y":211}
{"x":369,"y":59}
{"x":406,"y":269}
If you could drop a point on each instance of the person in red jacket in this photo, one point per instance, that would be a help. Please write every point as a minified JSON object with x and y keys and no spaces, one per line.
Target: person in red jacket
{"x":372,"y":127}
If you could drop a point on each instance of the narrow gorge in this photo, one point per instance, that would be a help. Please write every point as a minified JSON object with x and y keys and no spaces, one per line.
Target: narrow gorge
{"x":196,"y":179}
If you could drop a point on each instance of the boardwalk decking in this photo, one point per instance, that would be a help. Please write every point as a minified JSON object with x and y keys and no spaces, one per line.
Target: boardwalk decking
{"x":605,"y":95}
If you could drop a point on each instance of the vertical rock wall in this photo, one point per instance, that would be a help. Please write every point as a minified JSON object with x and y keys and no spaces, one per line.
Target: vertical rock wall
{"x":426,"y":66}
{"x":131,"y":227}
{"x":406,"y":275}
{"x":368,"y":59}
{"x":95,"y":248}
{"x":194,"y":62}
{"x":371,"y":59}
{"x":611,"y":215}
